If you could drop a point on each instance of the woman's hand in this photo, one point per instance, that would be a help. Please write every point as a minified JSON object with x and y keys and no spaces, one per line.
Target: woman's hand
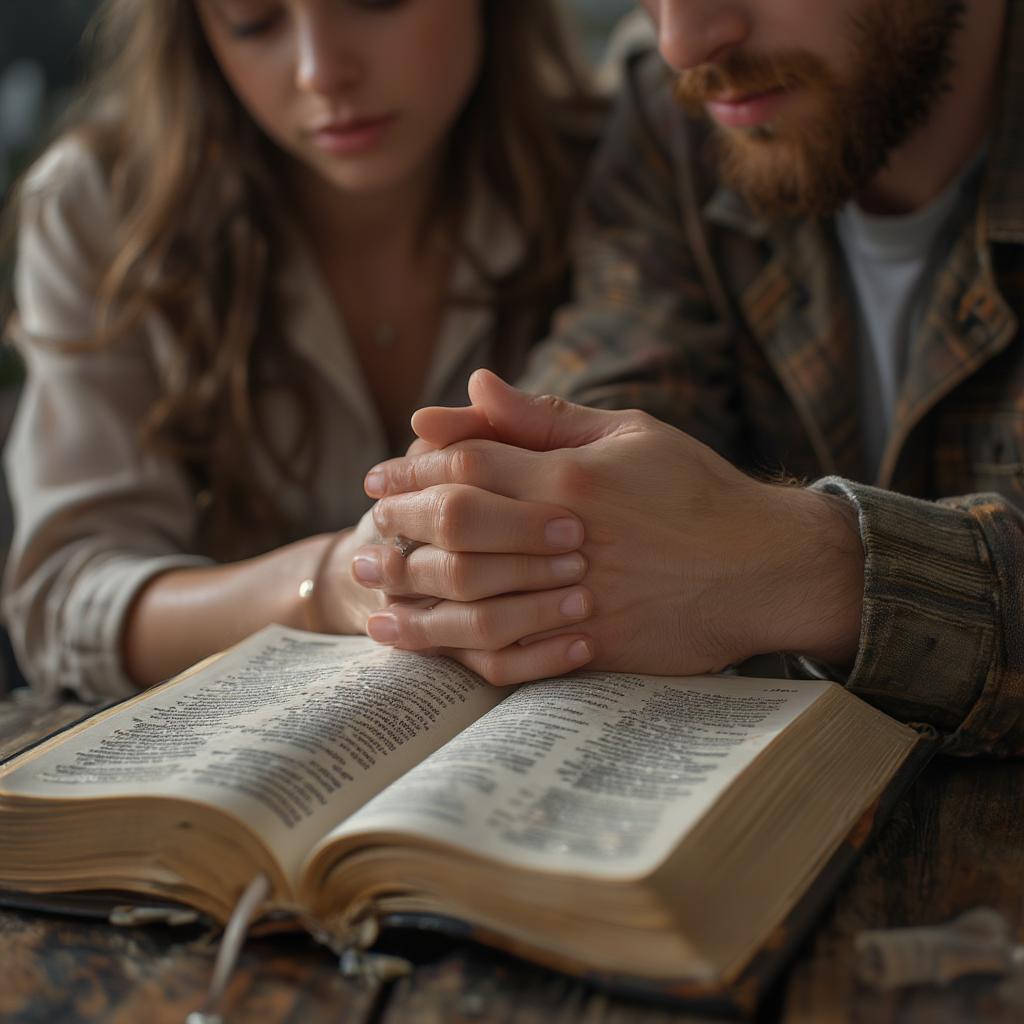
{"x":478,"y":595}
{"x":331,"y":601}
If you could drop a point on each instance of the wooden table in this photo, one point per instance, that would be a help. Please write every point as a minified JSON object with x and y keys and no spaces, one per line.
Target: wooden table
{"x":955,"y":842}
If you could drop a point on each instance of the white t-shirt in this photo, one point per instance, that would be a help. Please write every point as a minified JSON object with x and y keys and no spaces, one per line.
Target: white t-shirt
{"x":892,"y":262}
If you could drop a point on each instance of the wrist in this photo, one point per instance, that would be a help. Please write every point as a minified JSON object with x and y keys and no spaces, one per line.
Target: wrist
{"x":814,"y":604}
{"x":322,"y":596}
{"x":304,"y":586}
{"x":347,"y":599}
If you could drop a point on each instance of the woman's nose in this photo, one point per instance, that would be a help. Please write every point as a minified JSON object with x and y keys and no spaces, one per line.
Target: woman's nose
{"x":325,"y":63}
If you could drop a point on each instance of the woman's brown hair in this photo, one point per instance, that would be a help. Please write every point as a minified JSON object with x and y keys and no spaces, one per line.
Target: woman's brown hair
{"x":199,"y":236}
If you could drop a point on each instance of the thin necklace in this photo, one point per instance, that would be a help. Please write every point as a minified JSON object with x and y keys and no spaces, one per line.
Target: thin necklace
{"x":385,"y":335}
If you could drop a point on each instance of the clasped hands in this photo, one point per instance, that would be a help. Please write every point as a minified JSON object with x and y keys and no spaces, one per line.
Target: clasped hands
{"x":554,"y":536}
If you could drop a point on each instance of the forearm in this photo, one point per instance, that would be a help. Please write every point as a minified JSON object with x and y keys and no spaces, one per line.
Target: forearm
{"x":184,"y":615}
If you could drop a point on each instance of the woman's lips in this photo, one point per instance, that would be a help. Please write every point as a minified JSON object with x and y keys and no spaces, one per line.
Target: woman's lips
{"x":747,"y":111}
{"x":348,"y":138}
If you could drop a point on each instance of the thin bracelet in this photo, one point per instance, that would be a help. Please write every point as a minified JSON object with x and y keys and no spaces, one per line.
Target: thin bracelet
{"x":309,"y":588}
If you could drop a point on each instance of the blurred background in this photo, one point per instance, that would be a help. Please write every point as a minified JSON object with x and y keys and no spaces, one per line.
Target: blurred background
{"x":40,"y":63}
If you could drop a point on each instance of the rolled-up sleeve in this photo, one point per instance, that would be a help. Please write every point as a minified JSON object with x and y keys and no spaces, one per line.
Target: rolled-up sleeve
{"x":95,"y":515}
{"x":942,"y":627}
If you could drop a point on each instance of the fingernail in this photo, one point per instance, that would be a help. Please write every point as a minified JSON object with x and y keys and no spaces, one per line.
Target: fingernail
{"x":374,"y":483}
{"x":383,"y":628}
{"x":574,"y":606}
{"x":568,"y":567}
{"x":564,"y":533}
{"x":366,"y":569}
{"x":579,"y":652}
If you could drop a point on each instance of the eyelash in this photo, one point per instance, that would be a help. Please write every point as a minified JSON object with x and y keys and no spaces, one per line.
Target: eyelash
{"x":252,"y":29}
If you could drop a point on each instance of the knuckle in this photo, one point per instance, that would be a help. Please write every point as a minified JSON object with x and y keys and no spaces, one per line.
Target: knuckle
{"x":393,"y":567}
{"x":456,"y":574}
{"x":398,"y":475}
{"x":451,"y":513}
{"x":410,"y":474}
{"x":414,"y":630}
{"x":638,"y":419}
{"x":551,"y":403}
{"x":463,"y":464}
{"x":381,"y":514}
{"x":582,"y":595}
{"x":495,"y":669}
{"x":480,"y":625}
{"x":570,"y":479}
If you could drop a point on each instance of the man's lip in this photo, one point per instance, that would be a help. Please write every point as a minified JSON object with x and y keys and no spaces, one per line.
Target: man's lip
{"x":747,"y":110}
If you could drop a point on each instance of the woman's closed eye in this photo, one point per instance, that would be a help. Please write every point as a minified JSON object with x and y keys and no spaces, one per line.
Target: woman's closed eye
{"x":251,"y":29}
{"x":246,"y":19}
{"x":377,"y":4}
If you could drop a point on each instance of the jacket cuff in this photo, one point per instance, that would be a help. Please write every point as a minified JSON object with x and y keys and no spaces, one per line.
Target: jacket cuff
{"x":933,"y":641}
{"x":87,"y":659}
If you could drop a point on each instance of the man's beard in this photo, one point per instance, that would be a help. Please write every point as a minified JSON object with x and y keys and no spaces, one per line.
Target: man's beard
{"x":812,"y":167}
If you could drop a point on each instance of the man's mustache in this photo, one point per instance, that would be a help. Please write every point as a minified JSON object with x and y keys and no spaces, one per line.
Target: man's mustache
{"x":743,"y":73}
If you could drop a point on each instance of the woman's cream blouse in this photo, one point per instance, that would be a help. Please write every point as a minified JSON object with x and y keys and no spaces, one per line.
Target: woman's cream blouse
{"x":95,"y":515}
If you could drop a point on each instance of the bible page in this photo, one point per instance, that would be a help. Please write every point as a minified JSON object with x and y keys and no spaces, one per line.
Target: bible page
{"x":289,"y":731}
{"x":593,"y":774}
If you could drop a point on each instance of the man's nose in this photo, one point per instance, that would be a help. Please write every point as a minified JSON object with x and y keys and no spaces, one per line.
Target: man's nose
{"x":695,"y":32}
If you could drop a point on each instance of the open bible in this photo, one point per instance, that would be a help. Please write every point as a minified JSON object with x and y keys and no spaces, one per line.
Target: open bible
{"x":654,"y":833}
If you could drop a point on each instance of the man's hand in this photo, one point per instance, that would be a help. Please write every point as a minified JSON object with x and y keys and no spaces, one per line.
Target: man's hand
{"x":692,"y":565}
